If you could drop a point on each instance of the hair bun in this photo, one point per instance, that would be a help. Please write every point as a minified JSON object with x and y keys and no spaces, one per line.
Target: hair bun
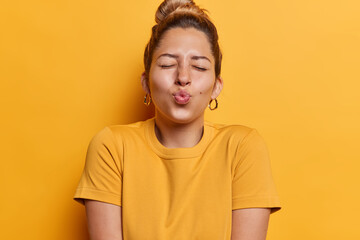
{"x":171,"y":6}
{"x":184,"y":14}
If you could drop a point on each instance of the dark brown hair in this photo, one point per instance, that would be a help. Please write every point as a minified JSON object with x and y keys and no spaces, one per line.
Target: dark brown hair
{"x":184,"y":14}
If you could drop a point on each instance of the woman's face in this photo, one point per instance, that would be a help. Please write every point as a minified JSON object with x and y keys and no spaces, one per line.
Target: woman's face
{"x":182,"y":76}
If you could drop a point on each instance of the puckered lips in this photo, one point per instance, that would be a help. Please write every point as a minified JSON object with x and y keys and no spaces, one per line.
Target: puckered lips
{"x":182,"y":97}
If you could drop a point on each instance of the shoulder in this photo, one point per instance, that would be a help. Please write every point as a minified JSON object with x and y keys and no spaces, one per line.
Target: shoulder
{"x":115,"y":134}
{"x":236,"y":133}
{"x":119,"y":130}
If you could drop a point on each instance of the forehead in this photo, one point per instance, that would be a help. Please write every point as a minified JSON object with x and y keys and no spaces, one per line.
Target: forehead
{"x":184,"y":40}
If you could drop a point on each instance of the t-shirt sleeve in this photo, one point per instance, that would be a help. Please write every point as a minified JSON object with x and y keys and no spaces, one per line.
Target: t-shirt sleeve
{"x":101,"y":179}
{"x":253,"y":185}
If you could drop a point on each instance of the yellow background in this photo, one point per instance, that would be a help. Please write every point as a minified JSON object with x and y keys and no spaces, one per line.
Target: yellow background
{"x":291,"y":70}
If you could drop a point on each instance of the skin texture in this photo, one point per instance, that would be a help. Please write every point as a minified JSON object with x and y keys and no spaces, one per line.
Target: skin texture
{"x":250,"y":223}
{"x":104,"y":220}
{"x":182,"y":62}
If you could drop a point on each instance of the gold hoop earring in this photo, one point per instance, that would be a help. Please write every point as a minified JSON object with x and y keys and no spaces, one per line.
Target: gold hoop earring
{"x":216,"y":104}
{"x":147,"y":99}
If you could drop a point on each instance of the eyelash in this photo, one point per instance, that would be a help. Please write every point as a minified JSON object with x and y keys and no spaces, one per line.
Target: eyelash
{"x":169,"y":66}
{"x":166,"y":66}
{"x":200,"y":68}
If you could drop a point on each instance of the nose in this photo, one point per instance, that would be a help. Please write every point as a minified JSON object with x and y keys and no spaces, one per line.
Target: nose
{"x":183,"y":76}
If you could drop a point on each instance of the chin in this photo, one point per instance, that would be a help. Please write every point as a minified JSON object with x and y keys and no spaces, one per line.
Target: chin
{"x":181,"y":115}
{"x":184,"y":117}
{"x":182,"y":120}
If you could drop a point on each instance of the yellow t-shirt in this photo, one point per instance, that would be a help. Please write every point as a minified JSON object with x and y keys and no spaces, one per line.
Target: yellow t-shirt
{"x":178,"y":193}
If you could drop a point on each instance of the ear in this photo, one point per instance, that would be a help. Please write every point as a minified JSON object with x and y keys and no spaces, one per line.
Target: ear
{"x":144,"y":83}
{"x":218,"y":86}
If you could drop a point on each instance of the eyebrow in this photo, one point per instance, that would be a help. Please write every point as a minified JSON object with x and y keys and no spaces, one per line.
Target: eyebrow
{"x":176,"y":57}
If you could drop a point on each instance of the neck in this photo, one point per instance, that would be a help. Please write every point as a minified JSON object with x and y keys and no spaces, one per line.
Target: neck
{"x":179,"y":135}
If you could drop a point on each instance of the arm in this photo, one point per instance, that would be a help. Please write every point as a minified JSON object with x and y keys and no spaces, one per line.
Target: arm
{"x":250,"y":223}
{"x":104,"y":220}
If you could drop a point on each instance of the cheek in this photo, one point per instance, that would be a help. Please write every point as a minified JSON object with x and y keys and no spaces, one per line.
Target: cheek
{"x":161,"y":79}
{"x":205,"y":88}
{"x":156,"y":82}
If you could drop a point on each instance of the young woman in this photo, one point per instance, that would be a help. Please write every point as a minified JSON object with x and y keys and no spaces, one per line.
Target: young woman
{"x":176,"y":176}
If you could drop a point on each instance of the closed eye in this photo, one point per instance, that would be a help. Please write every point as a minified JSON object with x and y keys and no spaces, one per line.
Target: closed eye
{"x":200,"y":68}
{"x":167,"y":66}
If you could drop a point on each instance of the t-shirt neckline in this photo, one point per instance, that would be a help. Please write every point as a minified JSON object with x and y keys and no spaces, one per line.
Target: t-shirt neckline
{"x":176,"y":153}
